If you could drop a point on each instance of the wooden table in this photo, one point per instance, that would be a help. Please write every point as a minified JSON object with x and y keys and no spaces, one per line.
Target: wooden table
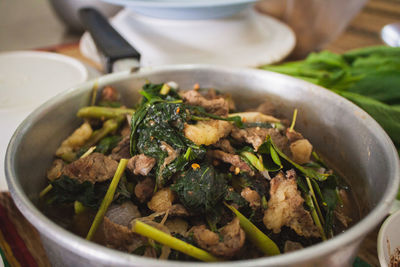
{"x":363,"y":31}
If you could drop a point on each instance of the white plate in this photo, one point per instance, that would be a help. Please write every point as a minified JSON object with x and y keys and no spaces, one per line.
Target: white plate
{"x":27,"y":79}
{"x":248,"y":39}
{"x":184,"y":9}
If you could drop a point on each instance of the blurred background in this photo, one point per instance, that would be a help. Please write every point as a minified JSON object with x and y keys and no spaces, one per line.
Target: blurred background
{"x":33,"y":24}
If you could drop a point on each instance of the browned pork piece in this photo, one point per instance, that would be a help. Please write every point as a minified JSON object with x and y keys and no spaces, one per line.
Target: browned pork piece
{"x":207,"y":132}
{"x":122,"y":150}
{"x":256,"y":137}
{"x":141,"y":164}
{"x":251,"y":196}
{"x":285,"y":207}
{"x":144,"y":189}
{"x":218,"y":106}
{"x":225,"y":146}
{"x":94,"y":168}
{"x":229,"y":241}
{"x":117,"y":230}
{"x":234,"y":160}
{"x":109,"y":94}
{"x":56,"y":170}
{"x":162,"y":200}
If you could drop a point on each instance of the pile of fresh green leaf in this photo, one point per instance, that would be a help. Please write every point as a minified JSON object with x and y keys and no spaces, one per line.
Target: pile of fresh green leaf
{"x":369,"y":77}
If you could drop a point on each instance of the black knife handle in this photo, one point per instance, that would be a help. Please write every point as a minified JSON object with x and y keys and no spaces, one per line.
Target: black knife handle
{"x":107,"y":39}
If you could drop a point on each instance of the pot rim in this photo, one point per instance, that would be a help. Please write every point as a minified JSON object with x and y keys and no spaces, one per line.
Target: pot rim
{"x":106,"y":255}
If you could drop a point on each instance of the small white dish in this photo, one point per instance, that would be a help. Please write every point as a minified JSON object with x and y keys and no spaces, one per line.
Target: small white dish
{"x":247,"y":39}
{"x":389,"y":238}
{"x":28,"y":79}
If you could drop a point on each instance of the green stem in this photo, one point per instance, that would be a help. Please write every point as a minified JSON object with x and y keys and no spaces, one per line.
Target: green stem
{"x":314,"y":215}
{"x":107,"y":199}
{"x":315,"y":199}
{"x":45,"y":191}
{"x":96,"y":112}
{"x":108,"y":127}
{"x":258,"y":238}
{"x":172,"y":242}
{"x":293,"y":120}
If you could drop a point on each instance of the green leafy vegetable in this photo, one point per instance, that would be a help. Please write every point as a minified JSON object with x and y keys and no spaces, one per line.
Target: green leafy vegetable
{"x":200,"y":189}
{"x":66,"y":191}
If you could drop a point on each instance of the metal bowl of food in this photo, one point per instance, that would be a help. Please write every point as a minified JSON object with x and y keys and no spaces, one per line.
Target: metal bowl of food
{"x":348,"y":139}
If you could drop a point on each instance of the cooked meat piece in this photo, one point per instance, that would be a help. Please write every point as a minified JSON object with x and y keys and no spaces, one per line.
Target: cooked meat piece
{"x":256,"y":136}
{"x":121,"y":237}
{"x":126,"y":129}
{"x":177,"y":226}
{"x":109,"y":94}
{"x":291,"y":246}
{"x":117,"y":226}
{"x":75,"y":141}
{"x":178,"y":210}
{"x":94,"y":168}
{"x":251,"y":196}
{"x":255,"y":117}
{"x":217,"y":106}
{"x":285,"y":207}
{"x":301,"y":151}
{"x":207,"y":132}
{"x":56,"y":170}
{"x":231,"y":235}
{"x":141,"y":164}
{"x":293,"y":136}
{"x":144,"y":189}
{"x":234,"y":160}
{"x":172,"y":153}
{"x":122,"y":150}
{"x":267,"y":107}
{"x":225,"y":146}
{"x":162,"y":200}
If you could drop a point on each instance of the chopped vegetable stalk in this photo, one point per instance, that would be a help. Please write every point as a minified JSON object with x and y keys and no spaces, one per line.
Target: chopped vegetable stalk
{"x":254,"y":160}
{"x":108,"y":127}
{"x":306,"y":171}
{"x":95,"y":89}
{"x":88,"y":152}
{"x":172,"y":242}
{"x":314,"y":215}
{"x":293,"y":120}
{"x":314,"y":199}
{"x":45,"y":191}
{"x":165,"y":89}
{"x":96,"y":112}
{"x":78,"y":207}
{"x":259,"y":239}
{"x":107,"y":199}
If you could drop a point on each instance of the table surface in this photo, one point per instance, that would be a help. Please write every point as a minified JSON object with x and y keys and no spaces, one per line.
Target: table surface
{"x":363,"y":31}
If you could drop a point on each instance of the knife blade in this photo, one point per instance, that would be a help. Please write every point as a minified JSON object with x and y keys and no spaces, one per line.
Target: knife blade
{"x":116,"y":53}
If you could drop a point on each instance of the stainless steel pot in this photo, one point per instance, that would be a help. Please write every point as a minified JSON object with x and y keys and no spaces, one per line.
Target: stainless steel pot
{"x":348,"y":137}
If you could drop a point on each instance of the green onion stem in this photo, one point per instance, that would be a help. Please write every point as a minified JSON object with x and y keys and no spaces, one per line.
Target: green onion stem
{"x":258,"y":238}
{"x":315,"y":199}
{"x":45,"y":191}
{"x":107,"y":199}
{"x":97,"y":112}
{"x":172,"y":242}
{"x":314,"y":215}
{"x":293,"y":120}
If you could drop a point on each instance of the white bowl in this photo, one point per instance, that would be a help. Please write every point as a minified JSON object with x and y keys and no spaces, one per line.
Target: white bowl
{"x":389,"y":238}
